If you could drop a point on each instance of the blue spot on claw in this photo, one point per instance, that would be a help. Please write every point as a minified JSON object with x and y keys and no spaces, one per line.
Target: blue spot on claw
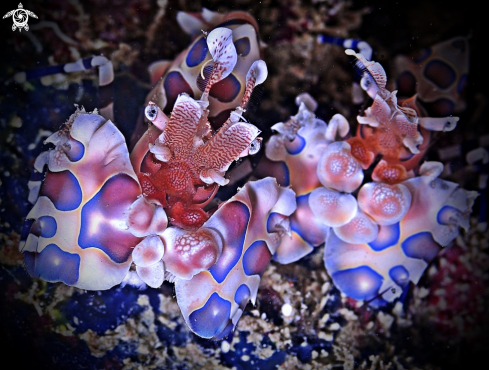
{"x":214,"y":315}
{"x":243,"y":46}
{"x":77,"y":150}
{"x":236,"y":233}
{"x":197,"y":54}
{"x":48,"y":226}
{"x":53,"y":264}
{"x":399,"y":275}
{"x":387,"y":237}
{"x":295,"y":146}
{"x":242,"y":294}
{"x":421,"y":246}
{"x":360,"y":283}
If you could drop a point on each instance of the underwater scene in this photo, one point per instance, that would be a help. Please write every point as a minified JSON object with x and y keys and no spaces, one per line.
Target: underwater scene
{"x":273,"y":184}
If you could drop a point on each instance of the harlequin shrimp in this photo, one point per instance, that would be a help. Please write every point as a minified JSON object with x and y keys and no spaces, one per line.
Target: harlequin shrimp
{"x":379,"y":236}
{"x":98,"y":210}
{"x":188,"y":72}
{"x":439,"y":75}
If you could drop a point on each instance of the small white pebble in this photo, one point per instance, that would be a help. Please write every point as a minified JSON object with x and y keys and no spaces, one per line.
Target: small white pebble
{"x":385,"y":320}
{"x":423,"y":292}
{"x":334,"y":326}
{"x":16,"y":122}
{"x":324,"y":300}
{"x":397,"y":309}
{"x":324,"y":319}
{"x":325,"y":287}
{"x":325,"y":336}
{"x":432,"y":271}
{"x":225,"y":346}
{"x":287,"y":309}
{"x":286,"y":332}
